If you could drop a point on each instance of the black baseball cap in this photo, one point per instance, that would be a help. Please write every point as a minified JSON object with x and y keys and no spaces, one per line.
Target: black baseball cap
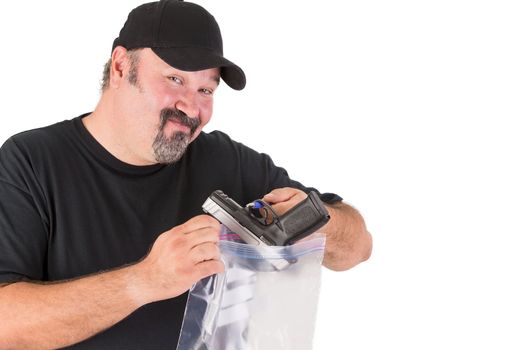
{"x":182,"y":34}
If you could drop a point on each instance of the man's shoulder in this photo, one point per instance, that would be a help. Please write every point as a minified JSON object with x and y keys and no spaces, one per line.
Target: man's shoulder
{"x":39,"y":146}
{"x":212,"y":144}
{"x":218,"y":141}
{"x":214,"y":137}
{"x":217,"y":150}
{"x":41,"y":137}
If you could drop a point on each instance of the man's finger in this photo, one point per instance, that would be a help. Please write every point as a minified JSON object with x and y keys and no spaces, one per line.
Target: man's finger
{"x":208,"y":268}
{"x":279,"y":195}
{"x":204,"y":252}
{"x":198,"y":222}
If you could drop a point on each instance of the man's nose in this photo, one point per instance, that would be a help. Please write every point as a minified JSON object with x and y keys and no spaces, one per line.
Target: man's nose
{"x":187,"y":103}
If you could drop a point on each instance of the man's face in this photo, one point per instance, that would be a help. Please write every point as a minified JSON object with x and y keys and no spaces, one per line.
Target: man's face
{"x":166,"y":108}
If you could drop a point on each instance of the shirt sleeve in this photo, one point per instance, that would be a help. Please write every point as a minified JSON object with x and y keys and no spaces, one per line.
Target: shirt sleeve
{"x":277,"y":177}
{"x":260,"y":176}
{"x":23,"y":237}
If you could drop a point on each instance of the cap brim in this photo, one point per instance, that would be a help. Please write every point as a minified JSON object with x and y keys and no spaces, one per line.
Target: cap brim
{"x":194,"y":59}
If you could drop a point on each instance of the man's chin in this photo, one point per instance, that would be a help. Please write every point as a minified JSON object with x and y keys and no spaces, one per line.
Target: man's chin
{"x":170,"y":130}
{"x":170,"y":158}
{"x":168,"y":150}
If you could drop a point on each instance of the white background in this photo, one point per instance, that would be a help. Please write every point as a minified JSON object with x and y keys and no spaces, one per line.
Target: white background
{"x":410,"y":110}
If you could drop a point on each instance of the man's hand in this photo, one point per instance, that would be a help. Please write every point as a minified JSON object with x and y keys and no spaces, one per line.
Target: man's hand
{"x":347,"y":240}
{"x":284,"y":199}
{"x":55,"y":315}
{"x":179,"y":258}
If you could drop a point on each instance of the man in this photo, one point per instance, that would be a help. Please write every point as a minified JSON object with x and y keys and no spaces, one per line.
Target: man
{"x":101,"y":231}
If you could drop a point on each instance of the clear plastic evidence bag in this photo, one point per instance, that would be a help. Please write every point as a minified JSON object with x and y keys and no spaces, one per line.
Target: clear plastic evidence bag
{"x":265,"y":300}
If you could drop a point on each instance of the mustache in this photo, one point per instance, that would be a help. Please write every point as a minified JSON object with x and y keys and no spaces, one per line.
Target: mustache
{"x":179,"y":116}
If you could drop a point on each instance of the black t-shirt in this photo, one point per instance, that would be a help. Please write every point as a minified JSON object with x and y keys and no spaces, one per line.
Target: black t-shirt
{"x":69,"y":208}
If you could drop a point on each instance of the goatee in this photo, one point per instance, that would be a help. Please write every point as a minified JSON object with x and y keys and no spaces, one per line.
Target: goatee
{"x":169,"y":149}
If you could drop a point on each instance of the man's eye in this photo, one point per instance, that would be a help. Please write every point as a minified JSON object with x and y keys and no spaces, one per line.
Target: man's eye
{"x":176,"y":80}
{"x":207,"y":91}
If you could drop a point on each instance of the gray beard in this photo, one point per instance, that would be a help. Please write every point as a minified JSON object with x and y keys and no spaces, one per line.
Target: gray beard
{"x":168,"y":150}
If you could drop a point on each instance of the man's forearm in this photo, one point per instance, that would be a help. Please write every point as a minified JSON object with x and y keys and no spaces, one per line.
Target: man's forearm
{"x":55,"y":315}
{"x":347,"y":240}
{"x":59,"y":314}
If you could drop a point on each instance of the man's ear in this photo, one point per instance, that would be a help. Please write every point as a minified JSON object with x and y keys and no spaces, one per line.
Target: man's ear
{"x":119,"y":63}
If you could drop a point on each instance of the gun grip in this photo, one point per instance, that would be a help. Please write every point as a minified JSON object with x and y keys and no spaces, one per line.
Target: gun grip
{"x":305,"y":218}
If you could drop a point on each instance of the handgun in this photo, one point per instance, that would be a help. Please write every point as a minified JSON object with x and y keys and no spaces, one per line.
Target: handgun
{"x":257,"y":223}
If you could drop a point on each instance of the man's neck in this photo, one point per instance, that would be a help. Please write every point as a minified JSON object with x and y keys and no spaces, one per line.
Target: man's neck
{"x":105,"y":125}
